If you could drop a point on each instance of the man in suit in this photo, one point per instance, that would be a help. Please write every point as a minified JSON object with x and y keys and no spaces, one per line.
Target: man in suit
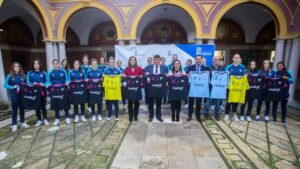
{"x":196,"y":67}
{"x":155,"y":68}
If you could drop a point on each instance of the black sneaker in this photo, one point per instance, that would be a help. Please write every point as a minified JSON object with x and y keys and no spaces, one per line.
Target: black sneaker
{"x":161,"y":120}
{"x":150,"y":120}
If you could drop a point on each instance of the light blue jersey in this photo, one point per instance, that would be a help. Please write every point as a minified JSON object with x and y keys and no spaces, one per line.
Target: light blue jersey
{"x":199,"y":84}
{"x":219,"y":82}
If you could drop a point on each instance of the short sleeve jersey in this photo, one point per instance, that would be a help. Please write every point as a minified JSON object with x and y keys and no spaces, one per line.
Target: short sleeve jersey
{"x":219,"y":82}
{"x":199,"y":84}
{"x":112,"y":87}
{"x":132,"y":87}
{"x":156,"y":85}
{"x":256,"y":82}
{"x":178,"y":87}
{"x":237,"y":89}
{"x":275,"y":89}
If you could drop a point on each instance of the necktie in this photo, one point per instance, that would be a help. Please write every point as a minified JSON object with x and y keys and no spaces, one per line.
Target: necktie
{"x":198,"y":68}
{"x":156,"y":69}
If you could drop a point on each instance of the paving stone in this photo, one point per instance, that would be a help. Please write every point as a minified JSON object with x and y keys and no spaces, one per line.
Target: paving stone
{"x":128,"y":161}
{"x":154,"y":162}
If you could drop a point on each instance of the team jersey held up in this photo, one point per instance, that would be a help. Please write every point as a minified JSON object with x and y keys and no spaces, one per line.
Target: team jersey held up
{"x":219,"y":82}
{"x":59,"y":97}
{"x":238,"y":86}
{"x":178,"y":87}
{"x":156,"y":85}
{"x":78,"y":92}
{"x":132,"y":87}
{"x":275,"y":89}
{"x":94,"y":89}
{"x":256,"y":82}
{"x":112,"y":87}
{"x":199,"y":84}
{"x":30,"y":95}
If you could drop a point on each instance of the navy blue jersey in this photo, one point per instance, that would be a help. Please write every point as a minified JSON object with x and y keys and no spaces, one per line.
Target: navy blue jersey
{"x":10,"y":82}
{"x":102,"y":68}
{"x":274,"y":89}
{"x":36,"y":77}
{"x":132,"y":88}
{"x":238,"y":70}
{"x":95,"y":91}
{"x":30,"y":96}
{"x":85,"y":68}
{"x":110,"y":71}
{"x":78,"y":92}
{"x":256,"y":82}
{"x":156,"y":85}
{"x":57,"y":77}
{"x":59,"y":97}
{"x":94,"y":74}
{"x":178,"y":87}
{"x":77,"y":75}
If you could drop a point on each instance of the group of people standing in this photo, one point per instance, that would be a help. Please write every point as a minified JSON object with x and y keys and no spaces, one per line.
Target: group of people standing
{"x":87,"y":83}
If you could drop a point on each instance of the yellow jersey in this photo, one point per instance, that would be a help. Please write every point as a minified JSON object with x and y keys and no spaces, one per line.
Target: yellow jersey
{"x":237,"y":89}
{"x":112,"y":87}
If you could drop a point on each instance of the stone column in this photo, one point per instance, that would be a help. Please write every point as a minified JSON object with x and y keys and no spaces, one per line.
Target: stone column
{"x":287,"y":52}
{"x":294,"y":65}
{"x":61,"y":50}
{"x":198,"y":41}
{"x":279,"y":52}
{"x":49,"y":55}
{"x":132,"y":42}
{"x":55,"y":50}
{"x":3,"y":91}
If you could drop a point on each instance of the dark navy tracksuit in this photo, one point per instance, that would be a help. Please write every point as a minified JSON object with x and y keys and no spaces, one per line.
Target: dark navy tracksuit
{"x":95,"y":74}
{"x":39,"y":77}
{"x":16,"y":101}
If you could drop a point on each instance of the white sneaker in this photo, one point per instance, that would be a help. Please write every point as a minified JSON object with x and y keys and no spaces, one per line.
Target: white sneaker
{"x":56,"y":122}
{"x":108,"y":118}
{"x":226,"y":117}
{"x":186,"y":106}
{"x":24,"y":125}
{"x":99,"y":117}
{"x":76,"y":119}
{"x":235,"y":117}
{"x":90,"y":110}
{"x":46,"y":123}
{"x":83,"y":118}
{"x":212,"y":107}
{"x":38,"y":123}
{"x":14,"y":128}
{"x":222,"y":107}
{"x":266,"y":119}
{"x":93,"y":118}
{"x":116,"y":119}
{"x":249,"y":118}
{"x":257,"y":118}
{"x":68,"y":121}
{"x":242,"y":118}
{"x":124,"y":107}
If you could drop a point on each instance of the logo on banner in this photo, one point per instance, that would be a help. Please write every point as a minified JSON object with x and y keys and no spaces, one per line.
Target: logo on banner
{"x":198,"y":51}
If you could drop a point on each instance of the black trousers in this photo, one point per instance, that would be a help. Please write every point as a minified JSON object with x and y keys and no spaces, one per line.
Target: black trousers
{"x":57,"y":116}
{"x":268,"y":105}
{"x":191,"y":106}
{"x":110,"y":104}
{"x":158,"y":101}
{"x":283,"y":109}
{"x":16,"y":103}
{"x":175,"y":108}
{"x":232,"y":107}
{"x":250,"y":102}
{"x":99,"y":108}
{"x":81,"y":109}
{"x":133,"y":109}
{"x":41,"y":110}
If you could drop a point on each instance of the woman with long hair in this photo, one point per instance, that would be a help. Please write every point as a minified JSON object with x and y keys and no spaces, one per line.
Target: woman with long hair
{"x":133,"y":70}
{"x":12,"y":82}
{"x":65,"y":65}
{"x":37,"y":76}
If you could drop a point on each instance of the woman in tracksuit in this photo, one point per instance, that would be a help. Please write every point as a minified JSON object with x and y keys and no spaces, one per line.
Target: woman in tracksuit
{"x":37,"y":76}
{"x":12,"y":83}
{"x":78,"y":74}
{"x":95,"y":73}
{"x":283,"y":73}
{"x":58,"y":76}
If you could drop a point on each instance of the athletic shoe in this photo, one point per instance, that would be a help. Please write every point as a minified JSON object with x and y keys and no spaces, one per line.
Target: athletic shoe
{"x":266,"y":119}
{"x":222,"y":107}
{"x":83,"y":118}
{"x":76,"y":119}
{"x":124,"y":107}
{"x":249,"y":118}
{"x":235,"y":117}
{"x":257,"y":118}
{"x":93,"y":118}
{"x":38,"y":123}
{"x":99,"y":117}
{"x":14,"y":128}
{"x":226,"y":117}
{"x":242,"y":118}
{"x":284,"y":122}
{"x":212,"y":107}
{"x":68,"y":121}
{"x":186,"y":106}
{"x":46,"y":123}
{"x":24,"y":125}
{"x":90,"y":110}
{"x":116,"y":119}
{"x":108,"y":118}
{"x":56,"y":122}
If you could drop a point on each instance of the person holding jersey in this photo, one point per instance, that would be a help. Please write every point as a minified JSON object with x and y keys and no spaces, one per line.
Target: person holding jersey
{"x":112,"y":71}
{"x":119,"y":66}
{"x":58,"y":77}
{"x":77,"y":75}
{"x":96,"y":74}
{"x":13,"y":82}
{"x":133,"y":70}
{"x":235,"y":69}
{"x":255,"y":80}
{"x":37,"y":76}
{"x":286,"y":75}
{"x":267,"y":72}
{"x":178,"y":82}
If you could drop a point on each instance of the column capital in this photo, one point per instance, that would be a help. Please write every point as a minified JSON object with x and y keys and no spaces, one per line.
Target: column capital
{"x":198,"y":40}
{"x":121,"y":42}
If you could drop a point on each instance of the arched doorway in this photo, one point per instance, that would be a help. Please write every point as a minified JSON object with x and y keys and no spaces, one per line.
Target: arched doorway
{"x":90,"y":31}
